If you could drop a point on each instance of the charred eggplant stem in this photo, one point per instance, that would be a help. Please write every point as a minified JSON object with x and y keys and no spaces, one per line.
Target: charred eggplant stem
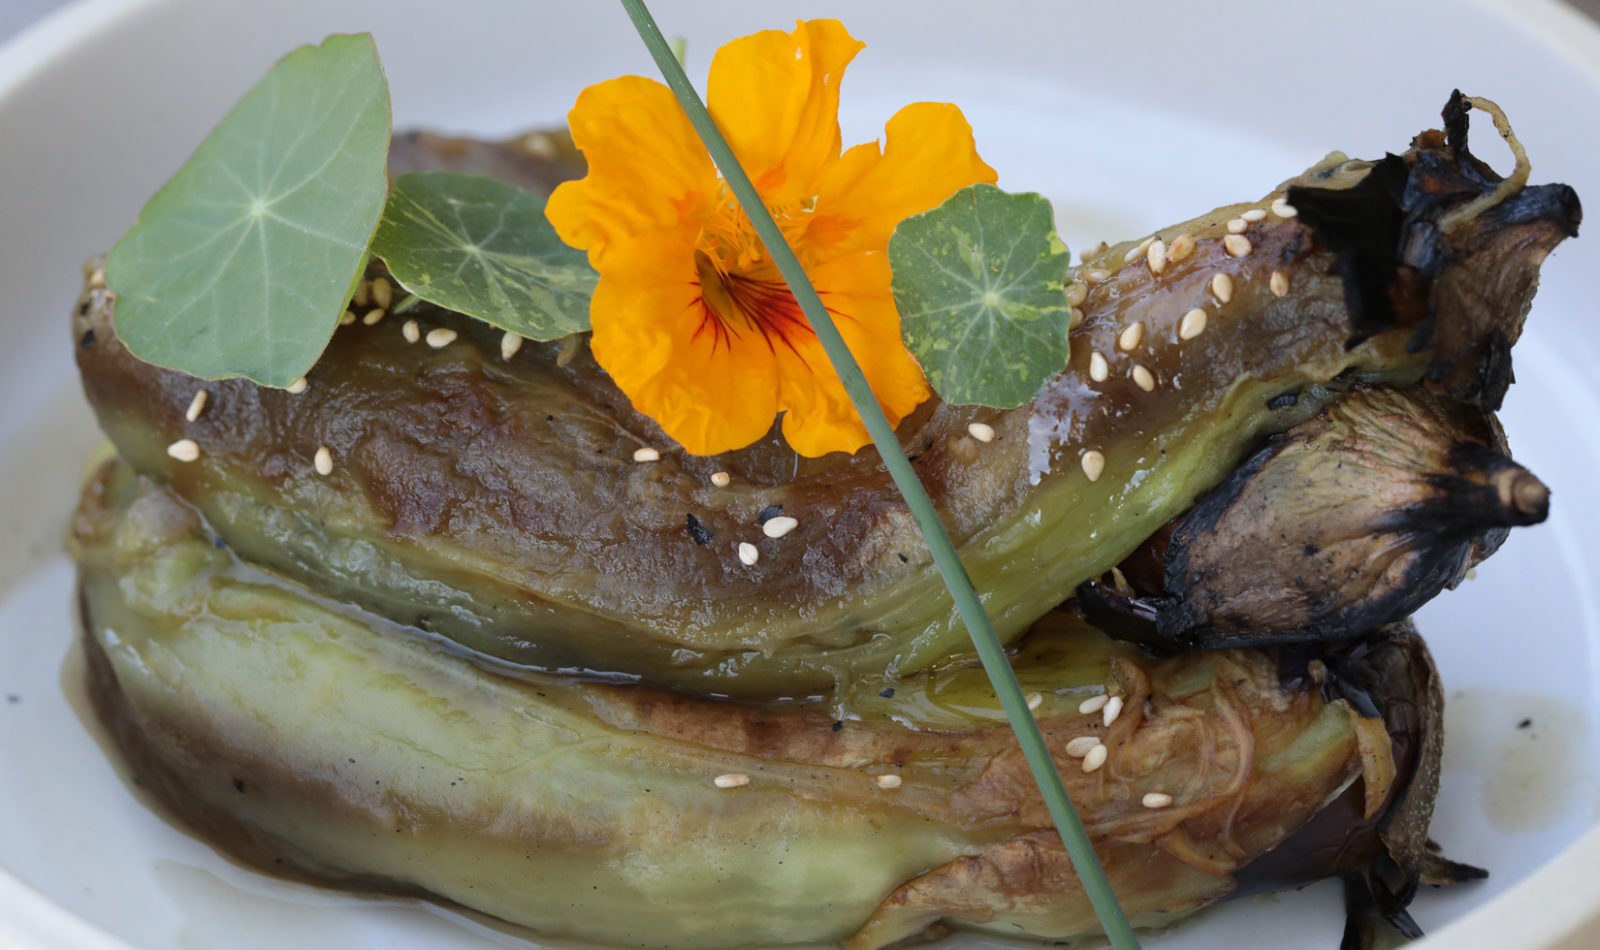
{"x":1438,"y":241}
{"x":1348,"y":521}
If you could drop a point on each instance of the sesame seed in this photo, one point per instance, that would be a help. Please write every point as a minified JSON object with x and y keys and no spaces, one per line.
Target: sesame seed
{"x":539,"y":145}
{"x":509,"y":345}
{"x":1135,"y":252}
{"x":184,"y":450}
{"x":1095,"y":757}
{"x":1193,"y":323}
{"x":646,"y":454}
{"x":1112,"y":711}
{"x":779,"y":526}
{"x":1093,"y":464}
{"x":1143,"y":378}
{"x":1129,"y":338}
{"x":887,"y":781}
{"x":1254,"y":215}
{"x":359,"y":295}
{"x":1180,"y":248}
{"x":373,"y":316}
{"x":1096,"y":276}
{"x":1079,"y":747}
{"x":382,"y":293}
{"x":347,"y":318}
{"x":721,"y":479}
{"x":731,"y":780}
{"x":1236,"y":244}
{"x":1156,"y":800}
{"x":1093,"y":704}
{"x":1283,"y":209}
{"x":323,"y":461}
{"x":411,"y":332}
{"x":981,"y":431}
{"x":1077,"y":293}
{"x":1222,"y":287}
{"x":197,"y":405}
{"x":1156,"y":257}
{"x":1035,"y":700}
{"x":1237,"y":225}
{"x":748,"y":555}
{"x":1098,"y":370}
{"x":298,"y":386}
{"x":440,"y":337}
{"x":1278,"y":283}
{"x":1074,"y":318}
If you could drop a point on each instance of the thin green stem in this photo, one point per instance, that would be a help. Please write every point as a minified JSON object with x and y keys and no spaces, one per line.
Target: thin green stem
{"x":1004,"y":680}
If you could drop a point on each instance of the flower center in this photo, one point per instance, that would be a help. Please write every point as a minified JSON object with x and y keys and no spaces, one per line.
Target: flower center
{"x":740,"y":289}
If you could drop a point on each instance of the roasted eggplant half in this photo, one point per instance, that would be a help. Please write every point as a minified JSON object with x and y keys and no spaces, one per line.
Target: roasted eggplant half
{"x":498,"y":503}
{"x":299,"y":734}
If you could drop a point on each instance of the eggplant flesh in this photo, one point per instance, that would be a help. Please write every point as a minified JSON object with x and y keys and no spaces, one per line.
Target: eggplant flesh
{"x":497,"y":502}
{"x":1348,"y":521}
{"x":290,"y":729}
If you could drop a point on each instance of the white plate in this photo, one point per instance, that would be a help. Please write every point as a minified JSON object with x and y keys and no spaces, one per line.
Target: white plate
{"x":1127,"y":117}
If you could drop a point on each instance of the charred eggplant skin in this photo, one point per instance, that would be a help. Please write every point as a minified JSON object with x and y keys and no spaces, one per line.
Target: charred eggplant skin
{"x":1350,"y":520}
{"x":357,"y":752}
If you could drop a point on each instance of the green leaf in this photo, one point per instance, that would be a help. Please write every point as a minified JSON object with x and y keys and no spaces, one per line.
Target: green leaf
{"x":979,"y":284}
{"x":243,"y":262}
{"x":484,"y":248}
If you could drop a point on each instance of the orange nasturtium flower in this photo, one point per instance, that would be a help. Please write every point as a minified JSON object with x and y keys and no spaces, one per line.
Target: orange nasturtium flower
{"x":691,"y":318}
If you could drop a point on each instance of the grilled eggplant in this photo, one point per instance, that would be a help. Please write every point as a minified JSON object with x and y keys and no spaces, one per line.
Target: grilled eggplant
{"x":497,"y":502}
{"x":293,"y":730}
{"x":1348,"y":521}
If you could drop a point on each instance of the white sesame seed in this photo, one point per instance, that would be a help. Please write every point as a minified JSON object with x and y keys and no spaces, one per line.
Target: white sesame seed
{"x":373,"y":316}
{"x":1074,"y":318}
{"x":1093,"y":464}
{"x":731,"y":780}
{"x":1134,"y":253}
{"x":1254,"y":215}
{"x":1098,"y":370}
{"x":298,"y":386}
{"x":721,"y":479}
{"x":1222,"y":287}
{"x":1129,"y":338}
{"x":509,"y":345}
{"x":1096,"y":276}
{"x":887,"y":781}
{"x":1112,"y":711}
{"x":981,"y":431}
{"x":440,"y":337}
{"x":1157,"y":800}
{"x":748,"y":555}
{"x":1093,"y":704}
{"x":382,"y":293}
{"x":1193,"y":323}
{"x":1035,"y":700}
{"x":1143,"y":378}
{"x":411,"y":332}
{"x":779,"y":526}
{"x":1156,"y":257}
{"x":646,"y":454}
{"x":184,"y":450}
{"x":1079,"y":747}
{"x":1283,"y":209}
{"x":1180,"y":248}
{"x":197,"y":405}
{"x":347,"y":318}
{"x":323,"y":461}
{"x":1237,"y":225}
{"x":1077,"y":293}
{"x":1236,"y":244}
{"x":359,"y":295}
{"x":1095,"y":757}
{"x":1278,"y":283}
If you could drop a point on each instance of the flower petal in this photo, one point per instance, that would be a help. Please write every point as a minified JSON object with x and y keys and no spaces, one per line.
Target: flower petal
{"x":710,"y":393}
{"x":647,"y":168}
{"x":775,"y":96}
{"x":928,"y":155}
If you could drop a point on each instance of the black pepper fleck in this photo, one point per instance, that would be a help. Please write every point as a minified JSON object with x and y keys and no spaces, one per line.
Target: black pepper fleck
{"x":887,"y":692}
{"x":768,"y":513}
{"x":902,"y":557}
{"x":1524,"y":723}
{"x":838,"y":724}
{"x":698,"y":532}
{"x":238,"y":785}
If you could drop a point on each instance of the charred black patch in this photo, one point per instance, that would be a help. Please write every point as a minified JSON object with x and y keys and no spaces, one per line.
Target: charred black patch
{"x":698,"y":532}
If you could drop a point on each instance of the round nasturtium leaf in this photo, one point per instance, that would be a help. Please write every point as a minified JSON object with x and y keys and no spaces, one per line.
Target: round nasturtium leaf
{"x":242,"y":263}
{"x":979,"y":285}
{"x":484,"y":248}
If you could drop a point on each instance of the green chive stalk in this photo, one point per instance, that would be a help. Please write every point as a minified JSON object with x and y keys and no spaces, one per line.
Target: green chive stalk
{"x":1084,"y":861}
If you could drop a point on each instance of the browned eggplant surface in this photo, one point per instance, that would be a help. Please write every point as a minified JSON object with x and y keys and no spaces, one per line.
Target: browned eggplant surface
{"x":290,"y":730}
{"x":1348,"y":521}
{"x":498,"y":502}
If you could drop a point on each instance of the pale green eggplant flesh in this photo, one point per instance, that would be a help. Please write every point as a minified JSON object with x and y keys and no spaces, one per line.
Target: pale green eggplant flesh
{"x":290,"y":729}
{"x":498,"y":503}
